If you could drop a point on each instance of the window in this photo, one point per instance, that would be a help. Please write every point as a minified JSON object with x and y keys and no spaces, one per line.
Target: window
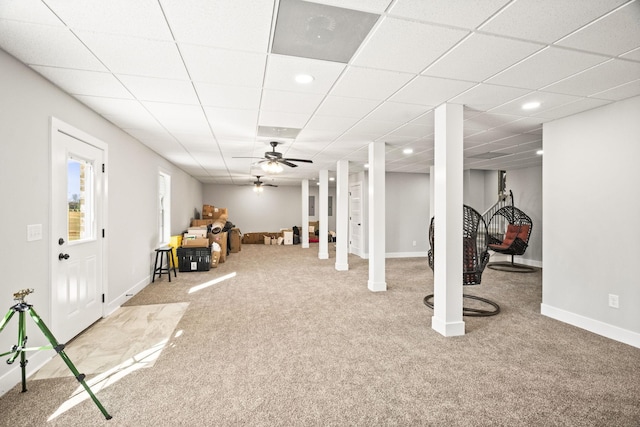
{"x":80,"y":216}
{"x":164,"y":208}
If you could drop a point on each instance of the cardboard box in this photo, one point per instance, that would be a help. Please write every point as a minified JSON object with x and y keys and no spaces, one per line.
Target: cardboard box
{"x":267,"y":240}
{"x":194,"y":259}
{"x":279,"y":240}
{"x":197,"y":231}
{"x":198,"y":242}
{"x":207,"y":211}
{"x":235,"y":240}
{"x":215,"y":258}
{"x":220,"y":239}
{"x":287,"y":237}
{"x":201,"y":222}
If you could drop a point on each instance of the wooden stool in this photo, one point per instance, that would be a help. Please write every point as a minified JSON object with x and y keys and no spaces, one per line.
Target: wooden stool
{"x":171,"y":264}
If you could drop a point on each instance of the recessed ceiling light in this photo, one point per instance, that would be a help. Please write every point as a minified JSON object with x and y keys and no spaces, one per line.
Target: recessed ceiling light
{"x":539,"y":152}
{"x":530,"y":105}
{"x":332,"y":179}
{"x":304,"y":79}
{"x":366,"y":165}
{"x":408,"y":151}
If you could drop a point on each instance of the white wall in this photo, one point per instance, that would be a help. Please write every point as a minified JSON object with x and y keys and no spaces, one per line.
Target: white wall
{"x":590,"y":212}
{"x":273,"y":209}
{"x":26,"y":105}
{"x":526,"y":185}
{"x":407,"y":214}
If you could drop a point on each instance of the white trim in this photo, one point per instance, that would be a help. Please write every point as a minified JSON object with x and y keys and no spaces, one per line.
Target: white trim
{"x":13,"y":377}
{"x":496,"y":257}
{"x":406,"y":254}
{"x":122,"y":298}
{"x":597,"y":327}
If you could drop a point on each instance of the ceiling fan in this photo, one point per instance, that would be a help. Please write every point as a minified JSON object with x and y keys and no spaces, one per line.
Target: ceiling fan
{"x":272,"y":160}
{"x":258,"y":186}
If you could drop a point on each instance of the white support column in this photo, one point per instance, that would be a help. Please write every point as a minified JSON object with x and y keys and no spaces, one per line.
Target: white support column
{"x":342,"y":215}
{"x":432,"y":186}
{"x":447,"y":280}
{"x":323,"y":203}
{"x":377,"y":241}
{"x":304,"y":232}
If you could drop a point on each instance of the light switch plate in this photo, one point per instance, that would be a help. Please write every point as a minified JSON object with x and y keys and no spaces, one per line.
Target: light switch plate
{"x":34,"y":232}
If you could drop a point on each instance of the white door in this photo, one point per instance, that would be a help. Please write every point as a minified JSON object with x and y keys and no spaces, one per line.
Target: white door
{"x":355,"y":219}
{"x":77,"y":202}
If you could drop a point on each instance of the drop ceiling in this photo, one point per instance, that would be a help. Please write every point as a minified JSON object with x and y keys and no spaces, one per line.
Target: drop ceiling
{"x":202,"y":82}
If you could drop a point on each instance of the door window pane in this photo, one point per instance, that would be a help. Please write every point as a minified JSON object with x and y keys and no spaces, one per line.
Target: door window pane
{"x":79,"y":200}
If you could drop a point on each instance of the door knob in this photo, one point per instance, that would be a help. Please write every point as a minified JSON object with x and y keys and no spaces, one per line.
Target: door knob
{"x":63,"y":256}
{"x":61,"y":241}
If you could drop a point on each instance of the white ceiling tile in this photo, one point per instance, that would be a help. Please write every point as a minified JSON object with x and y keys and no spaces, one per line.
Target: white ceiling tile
{"x":33,"y":11}
{"x":239,"y":24}
{"x":230,"y":123}
{"x":227,"y":96}
{"x":547,"y":100}
{"x":284,"y":119}
{"x":398,"y":112}
{"x":136,"y":56}
{"x":341,"y":106}
{"x":452,"y":12}
{"x":369,"y":84}
{"x":578,"y":106}
{"x":102,"y":105}
{"x":430,"y":91}
{"x":331,"y":123}
{"x":290,"y":102}
{"x":80,"y":82}
{"x":413,"y":130}
{"x":373,"y":6}
{"x":142,"y":120}
{"x":114,"y":17}
{"x":546,"y":67}
{"x":480,"y":56}
{"x":197,"y":142}
{"x":211,"y":65}
{"x":484,"y":96}
{"x":621,"y":92}
{"x":169,"y":111}
{"x":282,"y":70}
{"x":614,"y":34}
{"x":633,"y":55}
{"x":373,"y":127}
{"x":46,"y":45}
{"x":318,"y":135}
{"x":487,"y":121}
{"x":160,"y":90}
{"x":546,"y":20}
{"x":598,"y":79}
{"x":488,"y":136}
{"x":399,"y":45}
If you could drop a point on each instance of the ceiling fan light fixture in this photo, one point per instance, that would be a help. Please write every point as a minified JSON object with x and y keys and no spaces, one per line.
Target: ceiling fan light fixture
{"x":258,"y":189}
{"x":272,"y":167}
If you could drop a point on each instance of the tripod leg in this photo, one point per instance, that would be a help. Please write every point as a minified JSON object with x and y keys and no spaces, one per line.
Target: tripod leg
{"x":6,"y":319}
{"x":22,"y":342}
{"x":59,"y":348}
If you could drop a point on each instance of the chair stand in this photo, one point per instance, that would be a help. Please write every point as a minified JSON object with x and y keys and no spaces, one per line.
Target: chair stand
{"x":511,"y":267}
{"x":470,"y":311}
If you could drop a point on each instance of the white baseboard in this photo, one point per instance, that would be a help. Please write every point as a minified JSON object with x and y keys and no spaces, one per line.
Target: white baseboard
{"x":597,"y":327}
{"x":36,"y":361}
{"x":496,"y":257}
{"x":406,"y":255}
{"x":114,"y":304}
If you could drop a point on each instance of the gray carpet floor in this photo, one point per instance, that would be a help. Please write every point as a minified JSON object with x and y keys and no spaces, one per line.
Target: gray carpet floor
{"x":290,"y":341}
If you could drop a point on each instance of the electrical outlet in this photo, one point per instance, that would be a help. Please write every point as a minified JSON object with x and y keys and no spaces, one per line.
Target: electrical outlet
{"x":614,"y":301}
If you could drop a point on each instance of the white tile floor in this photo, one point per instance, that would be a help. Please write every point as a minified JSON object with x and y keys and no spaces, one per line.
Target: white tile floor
{"x":135,"y":334}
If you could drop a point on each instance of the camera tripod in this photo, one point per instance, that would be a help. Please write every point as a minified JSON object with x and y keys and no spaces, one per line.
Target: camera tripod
{"x":19,"y":349}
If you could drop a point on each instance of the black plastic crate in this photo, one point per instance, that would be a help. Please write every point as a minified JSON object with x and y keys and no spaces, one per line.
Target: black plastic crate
{"x":194,"y":259}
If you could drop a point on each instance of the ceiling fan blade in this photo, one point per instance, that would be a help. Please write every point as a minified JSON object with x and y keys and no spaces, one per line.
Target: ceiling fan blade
{"x":269,"y":185}
{"x":291,"y":165}
{"x":299,"y":160}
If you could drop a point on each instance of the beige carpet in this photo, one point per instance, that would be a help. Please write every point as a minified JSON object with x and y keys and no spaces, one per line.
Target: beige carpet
{"x":275,"y":336}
